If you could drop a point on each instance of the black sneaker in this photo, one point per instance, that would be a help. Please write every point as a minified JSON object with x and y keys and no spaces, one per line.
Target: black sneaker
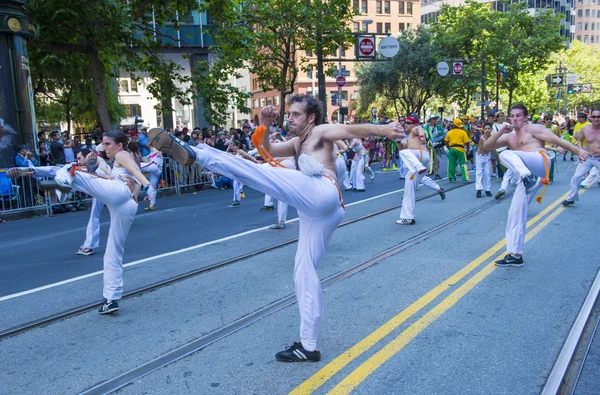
{"x":478,"y":194}
{"x":488,"y":193}
{"x":442,"y":193}
{"x":109,"y":307}
{"x":297,"y":353}
{"x":267,"y":208}
{"x":567,"y":203}
{"x":510,"y":260}
{"x":531,"y":182}
{"x":437,"y":177}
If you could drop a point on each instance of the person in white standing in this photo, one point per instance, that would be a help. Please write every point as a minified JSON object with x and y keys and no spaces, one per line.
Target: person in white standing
{"x":483,"y":164}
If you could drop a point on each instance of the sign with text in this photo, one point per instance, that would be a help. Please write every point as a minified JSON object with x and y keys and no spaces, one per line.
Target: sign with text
{"x":365,"y":46}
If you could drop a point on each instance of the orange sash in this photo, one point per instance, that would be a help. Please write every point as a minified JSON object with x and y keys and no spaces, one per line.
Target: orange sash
{"x":545,"y":180}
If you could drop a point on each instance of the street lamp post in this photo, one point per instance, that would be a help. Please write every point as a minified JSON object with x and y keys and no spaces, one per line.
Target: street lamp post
{"x":559,"y":70}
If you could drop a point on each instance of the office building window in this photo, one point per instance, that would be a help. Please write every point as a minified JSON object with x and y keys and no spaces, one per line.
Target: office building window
{"x":592,"y":39}
{"x":342,"y":52}
{"x":388,"y":27}
{"x":586,"y":38}
{"x":580,"y":13}
{"x":408,"y":26}
{"x":593,"y":13}
{"x":364,"y":8}
{"x":409,"y":8}
{"x":309,"y":72}
{"x":579,"y":25}
{"x":356,"y":26}
{"x":355,"y":5}
{"x":309,"y":54}
{"x":276,"y":100}
{"x":133,"y":110}
{"x":401,"y":7}
{"x":578,"y":37}
{"x":587,"y":13}
{"x":401,"y":27}
{"x":585,"y":26}
{"x":386,"y":7}
{"x":365,"y":27}
{"x":379,"y":27}
{"x":124,"y":86}
{"x":378,"y":7}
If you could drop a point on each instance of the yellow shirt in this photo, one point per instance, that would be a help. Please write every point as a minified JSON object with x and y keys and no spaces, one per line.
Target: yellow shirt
{"x":579,"y":125}
{"x":457,"y":138}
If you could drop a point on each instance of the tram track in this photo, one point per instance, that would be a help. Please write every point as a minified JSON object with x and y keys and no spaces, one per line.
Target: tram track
{"x":567,"y":369}
{"x":187,"y":275}
{"x":202,"y":342}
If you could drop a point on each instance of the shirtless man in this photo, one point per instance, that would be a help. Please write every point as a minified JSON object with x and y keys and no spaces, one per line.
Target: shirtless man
{"x":591,"y":135}
{"x":312,"y":190}
{"x":527,"y":159}
{"x":483,"y":163}
{"x":415,"y":156}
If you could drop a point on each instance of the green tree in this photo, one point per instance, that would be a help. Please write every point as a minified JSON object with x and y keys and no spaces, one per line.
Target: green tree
{"x":117,"y":36}
{"x":407,"y":81}
{"x":284,"y":30}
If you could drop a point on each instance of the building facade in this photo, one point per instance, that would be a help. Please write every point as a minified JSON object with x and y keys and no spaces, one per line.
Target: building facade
{"x":376,"y":16}
{"x":587,"y":22}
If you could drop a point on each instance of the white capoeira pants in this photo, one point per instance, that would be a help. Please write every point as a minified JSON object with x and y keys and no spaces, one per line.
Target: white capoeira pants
{"x":357,"y":170}
{"x":366,"y":167}
{"x":589,"y":180}
{"x":509,"y":178}
{"x":92,"y":231}
{"x":483,"y":172}
{"x":117,"y":197}
{"x":522,"y":164}
{"x":415,"y":161}
{"x":317,"y":199}
{"x":582,"y":169}
{"x":154,"y":174}
{"x":237,"y":190}
{"x":282,"y":207}
{"x":342,"y":171}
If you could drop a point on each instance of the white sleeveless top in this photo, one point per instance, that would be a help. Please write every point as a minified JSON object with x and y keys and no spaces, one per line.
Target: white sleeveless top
{"x":119,"y":172}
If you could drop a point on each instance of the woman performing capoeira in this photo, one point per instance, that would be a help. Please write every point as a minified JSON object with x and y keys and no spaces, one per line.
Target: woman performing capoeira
{"x":313,"y":191}
{"x":117,"y":192}
{"x":154,"y":169}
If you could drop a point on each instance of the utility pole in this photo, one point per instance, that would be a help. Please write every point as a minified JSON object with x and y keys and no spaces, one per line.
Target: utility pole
{"x":482,"y":86}
{"x":559,"y":70}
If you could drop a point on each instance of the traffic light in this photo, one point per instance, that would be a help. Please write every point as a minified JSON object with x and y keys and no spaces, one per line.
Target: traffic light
{"x":334,"y":99}
{"x":570,"y":89}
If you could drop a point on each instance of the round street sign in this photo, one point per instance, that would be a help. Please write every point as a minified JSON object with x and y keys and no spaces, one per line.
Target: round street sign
{"x":366,"y":46}
{"x":340,"y":80}
{"x":443,"y":68}
{"x":457,"y":68}
{"x":389,"y":47}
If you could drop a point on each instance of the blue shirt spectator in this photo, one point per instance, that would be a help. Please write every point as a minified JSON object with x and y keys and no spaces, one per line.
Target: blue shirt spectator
{"x":25,"y":157}
{"x":143,"y":141}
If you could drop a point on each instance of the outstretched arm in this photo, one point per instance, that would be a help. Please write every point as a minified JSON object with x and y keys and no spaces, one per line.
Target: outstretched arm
{"x":334,"y":132}
{"x":546,"y":135}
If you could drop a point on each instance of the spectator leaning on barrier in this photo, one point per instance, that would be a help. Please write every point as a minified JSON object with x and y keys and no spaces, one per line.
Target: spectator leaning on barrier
{"x":143,"y":141}
{"x":25,"y":157}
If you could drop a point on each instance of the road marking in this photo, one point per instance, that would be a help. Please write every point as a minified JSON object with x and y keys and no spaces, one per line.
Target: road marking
{"x":167,"y":254}
{"x":333,"y":367}
{"x":373,"y":363}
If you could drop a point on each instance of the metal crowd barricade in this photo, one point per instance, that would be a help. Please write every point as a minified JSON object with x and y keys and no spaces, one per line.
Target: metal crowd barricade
{"x":24,"y":194}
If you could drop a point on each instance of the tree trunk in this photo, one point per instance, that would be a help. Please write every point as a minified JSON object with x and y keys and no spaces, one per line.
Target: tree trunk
{"x":510,"y":97}
{"x":68,"y":112}
{"x":98,"y":77}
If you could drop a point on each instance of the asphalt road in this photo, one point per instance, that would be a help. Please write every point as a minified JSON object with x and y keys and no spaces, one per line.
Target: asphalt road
{"x":435,"y":318}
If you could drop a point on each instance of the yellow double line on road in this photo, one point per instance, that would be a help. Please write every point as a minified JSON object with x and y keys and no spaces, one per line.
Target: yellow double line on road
{"x":369,"y":366}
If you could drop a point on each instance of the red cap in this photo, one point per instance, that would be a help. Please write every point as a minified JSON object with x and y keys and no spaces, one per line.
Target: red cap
{"x":413,"y":120}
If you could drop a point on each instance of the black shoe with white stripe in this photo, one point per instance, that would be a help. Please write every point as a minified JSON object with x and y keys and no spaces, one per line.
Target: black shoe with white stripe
{"x":109,"y":307}
{"x":297,"y":353}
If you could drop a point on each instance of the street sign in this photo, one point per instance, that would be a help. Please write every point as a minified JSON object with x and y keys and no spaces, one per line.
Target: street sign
{"x":345,"y":73}
{"x":571,"y":78}
{"x":476,"y":96}
{"x":366,"y":46}
{"x":457,"y":68}
{"x":389,"y":47}
{"x":483,"y":103}
{"x":556,"y":79}
{"x":576,"y":88}
{"x":442,"y":68}
{"x":340,"y":80}
{"x":586,"y":88}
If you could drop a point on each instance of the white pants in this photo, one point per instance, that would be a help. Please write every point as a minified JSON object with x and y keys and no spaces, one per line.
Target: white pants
{"x":342,"y":171}
{"x":589,"y":180}
{"x":483,"y":172}
{"x":237,"y":190}
{"x":117,"y":197}
{"x":92,"y":232}
{"x":366,"y":166}
{"x":357,"y":168}
{"x":522,"y":164}
{"x":509,"y":178}
{"x":154,"y":174}
{"x":319,"y":209}
{"x":282,"y":208}
{"x":582,"y":169}
{"x":415,"y":161}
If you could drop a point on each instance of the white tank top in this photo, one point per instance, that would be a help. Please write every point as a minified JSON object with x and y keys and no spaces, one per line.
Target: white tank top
{"x":120,"y":172}
{"x":358,"y":147}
